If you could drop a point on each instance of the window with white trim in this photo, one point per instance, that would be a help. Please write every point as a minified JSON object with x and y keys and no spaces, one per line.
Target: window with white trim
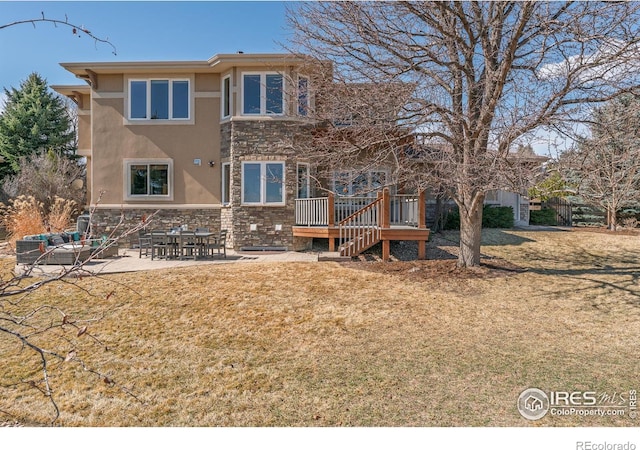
{"x":262,"y":94}
{"x":148,"y":179}
{"x":226,"y":183}
{"x":159,"y":99}
{"x":226,"y":96}
{"x":263,"y":183}
{"x":303,"y":95}
{"x":355,"y":183}
{"x":304,"y":184}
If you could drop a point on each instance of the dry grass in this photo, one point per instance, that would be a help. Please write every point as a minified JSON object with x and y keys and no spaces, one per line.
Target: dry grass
{"x":25,"y":215}
{"x":328,"y":345}
{"x":61,"y":214}
{"x":21,"y":217}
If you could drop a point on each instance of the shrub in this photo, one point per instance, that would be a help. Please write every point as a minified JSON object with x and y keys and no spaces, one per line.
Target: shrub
{"x":492,"y":217}
{"x":497,"y":217}
{"x":61,"y":214}
{"x":47,"y":176}
{"x":453,"y":220}
{"x":545,"y":216}
{"x":630,"y":222}
{"x":25,"y":215}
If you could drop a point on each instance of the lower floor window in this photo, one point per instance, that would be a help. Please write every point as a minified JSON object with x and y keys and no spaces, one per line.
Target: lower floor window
{"x":355,"y":183}
{"x":226,"y":183}
{"x":263,"y":183}
{"x":147,"y":179}
{"x":304,"y":190}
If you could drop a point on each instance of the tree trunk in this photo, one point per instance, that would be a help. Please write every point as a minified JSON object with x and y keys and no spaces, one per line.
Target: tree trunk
{"x":470,"y":231}
{"x":611,"y":219}
{"x":440,"y":215}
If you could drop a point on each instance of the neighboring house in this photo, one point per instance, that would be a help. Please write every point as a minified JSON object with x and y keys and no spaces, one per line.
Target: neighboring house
{"x":212,"y":144}
{"x":518,"y":202}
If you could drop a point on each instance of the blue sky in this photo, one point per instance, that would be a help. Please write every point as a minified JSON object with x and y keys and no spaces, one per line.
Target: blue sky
{"x":140,"y":31}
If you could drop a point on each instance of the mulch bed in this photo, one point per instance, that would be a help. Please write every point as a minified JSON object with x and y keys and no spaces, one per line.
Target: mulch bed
{"x":438,"y":269}
{"x":441,"y":264}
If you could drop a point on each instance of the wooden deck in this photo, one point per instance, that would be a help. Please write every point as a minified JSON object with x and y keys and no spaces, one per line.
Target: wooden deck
{"x":384,"y":229}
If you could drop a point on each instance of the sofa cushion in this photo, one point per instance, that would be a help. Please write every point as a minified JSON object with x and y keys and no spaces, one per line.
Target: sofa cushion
{"x":56,"y":239}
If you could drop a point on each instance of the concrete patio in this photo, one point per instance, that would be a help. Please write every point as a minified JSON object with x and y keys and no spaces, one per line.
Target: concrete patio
{"x":128,"y":260}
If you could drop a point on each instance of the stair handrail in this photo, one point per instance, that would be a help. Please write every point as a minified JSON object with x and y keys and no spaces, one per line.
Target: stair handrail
{"x":362,"y":236}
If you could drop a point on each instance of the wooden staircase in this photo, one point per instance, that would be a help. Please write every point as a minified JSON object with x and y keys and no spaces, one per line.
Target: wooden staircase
{"x":384,"y":219}
{"x":361,"y":230}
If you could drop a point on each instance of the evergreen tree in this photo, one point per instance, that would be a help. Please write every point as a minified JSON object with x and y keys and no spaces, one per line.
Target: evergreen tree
{"x":34,"y":120}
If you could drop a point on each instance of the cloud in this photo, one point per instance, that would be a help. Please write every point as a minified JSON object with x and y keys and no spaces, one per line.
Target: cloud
{"x":613,"y":62}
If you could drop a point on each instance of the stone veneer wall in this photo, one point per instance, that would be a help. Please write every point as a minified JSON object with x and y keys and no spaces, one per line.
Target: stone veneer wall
{"x":262,"y":140}
{"x":226,"y":223}
{"x":104,"y":221}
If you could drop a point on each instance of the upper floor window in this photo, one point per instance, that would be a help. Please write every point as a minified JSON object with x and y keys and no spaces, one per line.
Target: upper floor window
{"x":303,"y":95}
{"x":262,"y":93}
{"x":159,"y":99}
{"x":226,"y":96}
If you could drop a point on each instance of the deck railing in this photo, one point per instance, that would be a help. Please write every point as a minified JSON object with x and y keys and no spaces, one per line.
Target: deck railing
{"x":346,"y":206}
{"x":404,"y":210}
{"x":329,"y":211}
{"x":317,"y":211}
{"x":312,"y":211}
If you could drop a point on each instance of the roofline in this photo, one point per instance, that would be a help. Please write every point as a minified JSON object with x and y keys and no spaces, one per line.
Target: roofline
{"x":215,"y":64}
{"x":69,"y":89}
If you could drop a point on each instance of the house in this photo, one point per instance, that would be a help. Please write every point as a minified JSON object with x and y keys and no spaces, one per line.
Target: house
{"x":213,"y":143}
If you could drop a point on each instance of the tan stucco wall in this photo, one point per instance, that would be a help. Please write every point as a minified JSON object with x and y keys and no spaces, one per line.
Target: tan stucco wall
{"x":110,"y":83}
{"x":206,"y":82}
{"x":84,"y":131}
{"x":114,"y":141}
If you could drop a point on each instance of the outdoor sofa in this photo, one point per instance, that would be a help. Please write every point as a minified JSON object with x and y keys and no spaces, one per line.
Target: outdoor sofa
{"x":60,"y":249}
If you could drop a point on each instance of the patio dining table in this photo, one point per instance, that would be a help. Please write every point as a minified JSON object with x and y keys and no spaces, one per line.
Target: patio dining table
{"x":180,"y":244}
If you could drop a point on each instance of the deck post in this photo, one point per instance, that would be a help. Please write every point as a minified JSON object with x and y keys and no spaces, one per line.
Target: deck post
{"x":422,"y":210}
{"x":386,"y":208}
{"x":422,"y":223}
{"x":386,"y":223}
{"x":386,"y":250}
{"x":422,"y":249}
{"x":331,"y":213}
{"x":331,"y":219}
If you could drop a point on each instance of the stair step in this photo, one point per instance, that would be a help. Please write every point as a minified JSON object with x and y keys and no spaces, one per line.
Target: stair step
{"x":332,"y":256}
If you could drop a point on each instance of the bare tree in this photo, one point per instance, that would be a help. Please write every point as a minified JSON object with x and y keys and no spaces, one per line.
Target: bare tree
{"x":75,"y":29}
{"x":606,"y":165}
{"x":473,"y":79}
{"x":46,"y":176}
{"x":49,"y":336}
{"x":52,"y":339}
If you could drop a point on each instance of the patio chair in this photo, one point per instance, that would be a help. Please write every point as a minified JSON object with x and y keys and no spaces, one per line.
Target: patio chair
{"x":144,"y":243}
{"x":188,"y":247}
{"x":158,"y":244}
{"x":219,"y":243}
{"x":202,"y":241}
